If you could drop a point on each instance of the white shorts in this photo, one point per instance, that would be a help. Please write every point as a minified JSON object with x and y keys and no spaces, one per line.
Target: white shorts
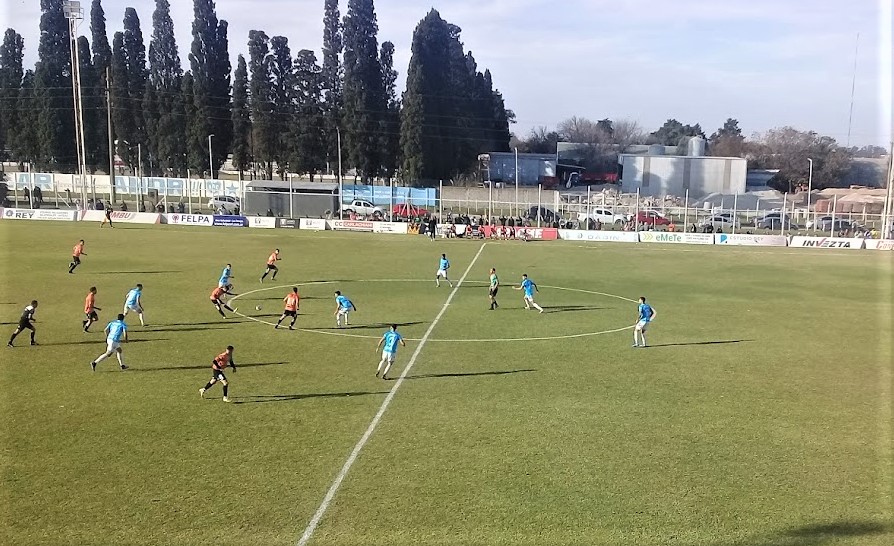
{"x":135,"y":308}
{"x":529,"y":298}
{"x":389,"y":356}
{"x":112,"y":346}
{"x":441,"y":273}
{"x":344,"y":311}
{"x":642,"y":325}
{"x":222,"y":284}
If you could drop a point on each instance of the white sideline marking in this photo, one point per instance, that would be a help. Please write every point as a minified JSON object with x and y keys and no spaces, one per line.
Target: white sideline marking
{"x":333,"y":489}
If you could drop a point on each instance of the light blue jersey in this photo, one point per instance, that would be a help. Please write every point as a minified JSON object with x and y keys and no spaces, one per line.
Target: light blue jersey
{"x":529,"y":287}
{"x":225,"y":276}
{"x":444,"y":264}
{"x":344,"y":303}
{"x":391,"y":338}
{"x":116,"y":330}
{"x":645,"y":312}
{"x":133,"y":297}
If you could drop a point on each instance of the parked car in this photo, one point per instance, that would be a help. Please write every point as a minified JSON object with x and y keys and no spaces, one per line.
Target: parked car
{"x":722,"y":221}
{"x":652,"y":218}
{"x":606,"y":216}
{"x":229,"y":202}
{"x":827,"y":223}
{"x":774,"y":221}
{"x":405,"y":210}
{"x":362,"y":207}
{"x":544,"y":214}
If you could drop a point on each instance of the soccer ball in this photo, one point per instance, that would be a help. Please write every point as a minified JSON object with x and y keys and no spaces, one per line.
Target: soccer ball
{"x":257,"y":307}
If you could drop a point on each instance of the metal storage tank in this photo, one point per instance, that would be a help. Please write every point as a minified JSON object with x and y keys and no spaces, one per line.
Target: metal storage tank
{"x":696,"y":147}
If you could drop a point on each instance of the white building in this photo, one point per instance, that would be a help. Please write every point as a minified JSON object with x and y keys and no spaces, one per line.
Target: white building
{"x":657,"y":175}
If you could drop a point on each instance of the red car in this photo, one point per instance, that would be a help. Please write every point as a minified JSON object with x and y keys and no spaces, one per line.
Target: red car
{"x":651,"y":218}
{"x":408,"y":211}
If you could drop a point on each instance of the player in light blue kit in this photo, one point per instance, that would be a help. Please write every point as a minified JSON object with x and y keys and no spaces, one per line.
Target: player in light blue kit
{"x":529,"y":287}
{"x":443,"y":266}
{"x":390,"y":341}
{"x":225,"y":276}
{"x":115,"y":332}
{"x":646,"y":315}
{"x":343,"y":306}
{"x":133,"y":302}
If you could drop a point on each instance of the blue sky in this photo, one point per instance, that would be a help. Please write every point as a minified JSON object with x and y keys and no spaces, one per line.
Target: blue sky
{"x":767,"y":63}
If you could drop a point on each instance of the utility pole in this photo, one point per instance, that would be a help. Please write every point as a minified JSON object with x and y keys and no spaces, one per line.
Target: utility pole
{"x":111,"y":144}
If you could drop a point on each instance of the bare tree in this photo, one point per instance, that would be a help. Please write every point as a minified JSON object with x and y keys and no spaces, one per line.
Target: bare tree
{"x":627,"y":132}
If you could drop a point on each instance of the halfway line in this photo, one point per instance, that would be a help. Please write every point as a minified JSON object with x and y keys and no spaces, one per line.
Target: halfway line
{"x":315,"y":521}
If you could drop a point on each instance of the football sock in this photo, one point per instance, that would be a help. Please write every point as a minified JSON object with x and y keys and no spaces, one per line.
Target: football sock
{"x":293,"y":322}
{"x":264,"y":276}
{"x":635,"y":338}
{"x":141,"y":320}
{"x":219,"y":310}
{"x":227,"y":305}
{"x":120,"y":359}
{"x":537,"y":307}
{"x":381,"y":365}
{"x":643,"y":335}
{"x":225,"y":387}
{"x":387,"y":367}
{"x":32,"y":336}
{"x":207,"y":386}
{"x":12,"y":338}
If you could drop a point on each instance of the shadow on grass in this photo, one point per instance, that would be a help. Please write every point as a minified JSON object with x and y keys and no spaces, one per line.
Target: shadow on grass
{"x":278,"y":298}
{"x":133,"y":272}
{"x":193,"y":329}
{"x":101,"y":342}
{"x":261,"y":398}
{"x":206,"y":367}
{"x":216,"y":322}
{"x":723,"y":342}
{"x":573,"y":308}
{"x":816,"y":534}
{"x":377,"y":325}
{"x":469,"y":374}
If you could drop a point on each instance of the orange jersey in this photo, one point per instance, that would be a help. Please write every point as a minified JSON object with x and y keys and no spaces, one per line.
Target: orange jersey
{"x":292,"y":302}
{"x":217,"y":293}
{"x":89,"y":302}
{"x":77,"y":250}
{"x":221,"y":361}
{"x":272,"y":259}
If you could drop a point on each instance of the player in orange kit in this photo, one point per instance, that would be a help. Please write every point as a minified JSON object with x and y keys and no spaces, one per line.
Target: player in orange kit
{"x":90,"y":309}
{"x":217,"y":299}
{"x":292,"y":302}
{"x":218,"y":365}
{"x":271,"y":265}
{"x":76,"y":253}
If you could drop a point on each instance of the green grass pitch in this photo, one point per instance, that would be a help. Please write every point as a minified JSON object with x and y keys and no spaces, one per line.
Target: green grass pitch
{"x":760,"y":415}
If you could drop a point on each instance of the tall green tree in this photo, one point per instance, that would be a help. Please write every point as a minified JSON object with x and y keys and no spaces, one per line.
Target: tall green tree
{"x":129,"y":78}
{"x":53,"y":90}
{"x":91,"y":102}
{"x":241,"y":118}
{"x":210,"y":62}
{"x":728,"y":141}
{"x":98,"y":141}
{"x":390,"y":124}
{"x":26,"y":147}
{"x":196,"y":155}
{"x":333,"y":46}
{"x":364,"y":93}
{"x":166,"y":137}
{"x":673,"y":132}
{"x":261,"y":101}
{"x":307,"y":142}
{"x":282,"y":74}
{"x":787,"y":149}
{"x":11,"y":73}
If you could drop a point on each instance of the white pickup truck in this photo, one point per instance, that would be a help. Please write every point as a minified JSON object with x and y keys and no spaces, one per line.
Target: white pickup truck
{"x":361,"y":207}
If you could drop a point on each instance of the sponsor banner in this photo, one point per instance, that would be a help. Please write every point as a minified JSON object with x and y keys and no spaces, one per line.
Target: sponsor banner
{"x":827,"y":242}
{"x":744,"y":239}
{"x":289,"y":223}
{"x":189,"y":219}
{"x":265,"y":222}
{"x":122,"y":216}
{"x":600,"y":236}
{"x":352,"y":225}
{"x":226,"y":220}
{"x":678,"y":238}
{"x":537,"y":234}
{"x":317,"y":224}
{"x":40,"y":214}
{"x":390,"y":227}
{"x":884,"y":244}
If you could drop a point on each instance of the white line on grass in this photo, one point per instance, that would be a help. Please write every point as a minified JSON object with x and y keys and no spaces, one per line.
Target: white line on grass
{"x":333,"y":489}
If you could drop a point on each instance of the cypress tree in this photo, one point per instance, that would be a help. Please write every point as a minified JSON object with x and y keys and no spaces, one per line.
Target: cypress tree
{"x":498,"y":137}
{"x":241,"y":118}
{"x":98,"y":140}
{"x":196,"y":153}
{"x":390,"y":124}
{"x":282,"y":92}
{"x":307,"y":150}
{"x":91,"y":101}
{"x":261,"y":103}
{"x":26,"y":146}
{"x":364,"y":93}
{"x":11,"y":73}
{"x":210,"y":63}
{"x":53,"y":90}
{"x":163,"y":121}
{"x":332,"y":73}
{"x":137,"y":77}
{"x":122,"y":122}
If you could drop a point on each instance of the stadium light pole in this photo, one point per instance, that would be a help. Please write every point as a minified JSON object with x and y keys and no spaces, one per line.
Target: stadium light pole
{"x":809,"y":181}
{"x":516,"y":182}
{"x":340,"y":183}
{"x":210,"y":159}
{"x":74,"y":13}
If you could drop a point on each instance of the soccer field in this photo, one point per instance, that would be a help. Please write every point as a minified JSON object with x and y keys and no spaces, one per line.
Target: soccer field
{"x":761,"y":413}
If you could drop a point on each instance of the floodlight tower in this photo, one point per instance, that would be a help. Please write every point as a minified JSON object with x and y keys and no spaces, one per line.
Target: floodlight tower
{"x":75,"y":14}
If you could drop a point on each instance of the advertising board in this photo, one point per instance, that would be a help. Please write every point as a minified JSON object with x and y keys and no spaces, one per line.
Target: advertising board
{"x":745,"y":239}
{"x":40,"y":214}
{"x":599,"y":236}
{"x":537,"y":234}
{"x":883,"y":244}
{"x":289,"y":223}
{"x":676,"y":238}
{"x":122,"y":216}
{"x":316,"y":224}
{"x":827,"y":242}
{"x":351,"y":225}
{"x":189,"y":219}
{"x":264,"y":222}
{"x":390,"y":227}
{"x":228,"y":220}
